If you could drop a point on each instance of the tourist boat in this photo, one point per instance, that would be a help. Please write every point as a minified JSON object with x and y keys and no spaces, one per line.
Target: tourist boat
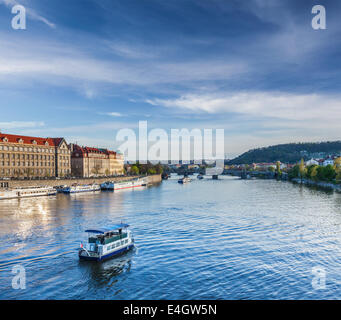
{"x":106,"y":243}
{"x":184,"y":180}
{"x":27,"y":192}
{"x":82,"y":188}
{"x":164,"y":176}
{"x":129,"y":184}
{"x":107,"y":186}
{"x":60,"y":189}
{"x":200,"y":176}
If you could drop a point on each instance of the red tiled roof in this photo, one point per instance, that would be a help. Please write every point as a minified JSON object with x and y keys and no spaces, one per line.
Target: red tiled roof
{"x":86,"y":150}
{"x":28,"y":140}
{"x":57,"y":141}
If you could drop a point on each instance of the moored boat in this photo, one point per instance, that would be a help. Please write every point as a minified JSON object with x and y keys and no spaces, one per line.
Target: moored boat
{"x":200,"y":176}
{"x":184,"y":180}
{"x":106,"y":243}
{"x":129,"y":184}
{"x":60,"y":189}
{"x":164,"y":176}
{"x":82,"y":188}
{"x":27,"y":192}
{"x":107,"y":186}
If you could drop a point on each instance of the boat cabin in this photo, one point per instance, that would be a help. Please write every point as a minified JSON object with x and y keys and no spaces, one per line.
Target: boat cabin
{"x":103,"y":243}
{"x":108,"y":237}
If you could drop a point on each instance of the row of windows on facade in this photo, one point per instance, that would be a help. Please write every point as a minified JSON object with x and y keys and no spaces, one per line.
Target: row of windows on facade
{"x":32,"y":157}
{"x":32,"y":164}
{"x":26,"y":164}
{"x":30,"y":149}
{"x":26,"y":156}
{"x":13,"y":172}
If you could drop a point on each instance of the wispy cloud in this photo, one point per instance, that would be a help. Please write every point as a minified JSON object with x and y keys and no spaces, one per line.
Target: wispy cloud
{"x":114,"y":114}
{"x":255,"y":68}
{"x":78,"y":66}
{"x":133,"y":52}
{"x":280,"y":105}
{"x":20,"y":124}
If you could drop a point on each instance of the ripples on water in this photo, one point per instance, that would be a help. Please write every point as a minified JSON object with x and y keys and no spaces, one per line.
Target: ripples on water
{"x":225,"y":239}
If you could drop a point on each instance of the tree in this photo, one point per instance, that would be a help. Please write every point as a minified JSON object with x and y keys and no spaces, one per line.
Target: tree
{"x":329,"y":172}
{"x":326,"y":173}
{"x":159,"y":168}
{"x":313,"y":173}
{"x":337,"y":167}
{"x":294,"y":172}
{"x":302,"y":169}
{"x":96,"y":169}
{"x":337,"y":163}
{"x":135,"y":170}
{"x":278,"y":169}
{"x":151,"y":171}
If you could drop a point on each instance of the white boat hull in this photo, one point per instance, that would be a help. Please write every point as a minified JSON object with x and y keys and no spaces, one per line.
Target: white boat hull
{"x":80,"y":189}
{"x":27,"y":193}
{"x":129,"y":184}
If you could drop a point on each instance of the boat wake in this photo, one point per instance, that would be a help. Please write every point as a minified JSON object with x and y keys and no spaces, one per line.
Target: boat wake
{"x":26,"y":261}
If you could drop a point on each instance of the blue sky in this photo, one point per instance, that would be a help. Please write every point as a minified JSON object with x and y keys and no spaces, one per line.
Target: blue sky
{"x":84,"y":69}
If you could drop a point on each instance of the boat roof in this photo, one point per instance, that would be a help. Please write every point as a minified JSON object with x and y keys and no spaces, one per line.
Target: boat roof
{"x":112,"y":228}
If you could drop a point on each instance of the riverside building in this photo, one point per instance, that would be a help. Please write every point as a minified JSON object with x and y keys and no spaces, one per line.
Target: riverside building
{"x":32,"y":157}
{"x":92,"y":162}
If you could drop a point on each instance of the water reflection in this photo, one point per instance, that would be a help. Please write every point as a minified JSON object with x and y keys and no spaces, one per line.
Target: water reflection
{"x":223,"y":239}
{"x":106,"y":272}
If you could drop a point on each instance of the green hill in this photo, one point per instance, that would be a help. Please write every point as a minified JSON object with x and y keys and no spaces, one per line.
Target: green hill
{"x":288,"y":153}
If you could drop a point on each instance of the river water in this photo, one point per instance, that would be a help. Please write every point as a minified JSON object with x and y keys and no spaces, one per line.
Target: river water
{"x":225,"y":239}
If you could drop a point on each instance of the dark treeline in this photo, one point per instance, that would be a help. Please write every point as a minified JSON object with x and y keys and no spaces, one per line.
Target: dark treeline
{"x":286,"y":153}
{"x":147,"y":168}
{"x":329,"y":173}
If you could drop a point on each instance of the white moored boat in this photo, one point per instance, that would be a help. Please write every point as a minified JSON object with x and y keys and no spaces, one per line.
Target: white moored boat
{"x":27,"y":192}
{"x":82,"y":188}
{"x":129,"y":184}
{"x":184,"y":180}
{"x":106,"y":243}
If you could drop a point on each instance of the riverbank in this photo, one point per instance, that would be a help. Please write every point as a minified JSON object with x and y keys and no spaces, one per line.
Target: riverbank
{"x":320,"y":184}
{"x":284,"y":177}
{"x":152,"y":179}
